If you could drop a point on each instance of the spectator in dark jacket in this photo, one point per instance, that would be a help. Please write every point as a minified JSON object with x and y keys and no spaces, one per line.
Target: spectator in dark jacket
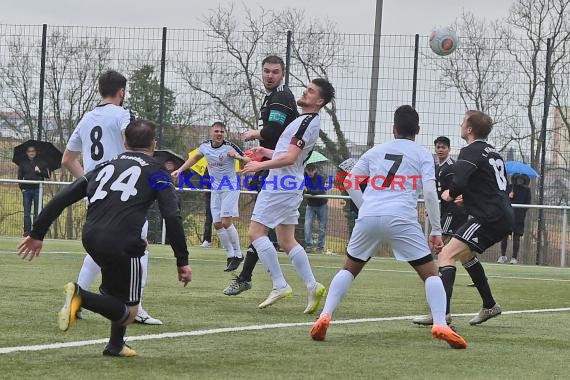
{"x":519,"y":193}
{"x":316,"y":208}
{"x":31,"y":169}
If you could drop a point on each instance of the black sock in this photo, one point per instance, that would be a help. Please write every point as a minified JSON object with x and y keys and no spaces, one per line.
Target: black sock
{"x":117,"y":334}
{"x":477,"y":273}
{"x":108,"y":306}
{"x":251,"y":259}
{"x":447,"y":275}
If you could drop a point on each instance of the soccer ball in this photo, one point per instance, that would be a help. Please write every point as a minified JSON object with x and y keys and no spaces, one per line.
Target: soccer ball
{"x":443,"y":41}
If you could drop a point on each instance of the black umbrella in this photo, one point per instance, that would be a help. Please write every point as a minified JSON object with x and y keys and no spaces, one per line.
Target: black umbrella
{"x":46,"y":152}
{"x":164,"y":155}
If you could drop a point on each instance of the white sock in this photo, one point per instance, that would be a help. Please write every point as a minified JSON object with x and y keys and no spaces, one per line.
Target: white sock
{"x":300,"y":261}
{"x":225,"y":239}
{"x":234,"y":239}
{"x":337,"y":289}
{"x":89,"y":270}
{"x":435,"y":295}
{"x":144,"y":267}
{"x":268,"y":256}
{"x":140,"y":302}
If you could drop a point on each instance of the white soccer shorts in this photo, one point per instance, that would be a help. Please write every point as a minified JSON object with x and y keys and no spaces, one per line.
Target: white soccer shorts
{"x":224,"y":204}
{"x":405,"y":236}
{"x":273,"y":208}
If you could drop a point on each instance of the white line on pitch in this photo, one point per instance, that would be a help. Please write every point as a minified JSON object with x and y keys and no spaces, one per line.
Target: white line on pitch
{"x":55,"y":346}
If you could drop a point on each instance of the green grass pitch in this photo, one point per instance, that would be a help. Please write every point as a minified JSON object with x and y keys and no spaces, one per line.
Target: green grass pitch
{"x":512,"y":346}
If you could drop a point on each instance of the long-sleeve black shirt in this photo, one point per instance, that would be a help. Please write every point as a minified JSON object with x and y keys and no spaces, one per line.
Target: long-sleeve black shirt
{"x":27,"y":171}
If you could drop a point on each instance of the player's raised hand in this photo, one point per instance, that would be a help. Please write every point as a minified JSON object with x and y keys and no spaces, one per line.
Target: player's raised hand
{"x":175,"y":173}
{"x":445,"y":196}
{"x":29,"y":248}
{"x":185,"y":274}
{"x":459,"y":200}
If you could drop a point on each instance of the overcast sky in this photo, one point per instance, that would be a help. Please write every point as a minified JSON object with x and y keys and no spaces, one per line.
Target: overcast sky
{"x":353,"y":16}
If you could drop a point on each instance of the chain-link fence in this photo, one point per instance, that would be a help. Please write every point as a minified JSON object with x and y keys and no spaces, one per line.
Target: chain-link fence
{"x":186,"y":78}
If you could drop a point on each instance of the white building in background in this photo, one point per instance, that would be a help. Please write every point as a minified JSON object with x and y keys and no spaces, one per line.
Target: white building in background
{"x":559,"y":141}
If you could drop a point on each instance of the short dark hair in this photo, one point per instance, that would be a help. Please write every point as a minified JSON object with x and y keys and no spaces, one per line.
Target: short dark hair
{"x":480,"y":123}
{"x":442,"y":140}
{"x":326,"y":89}
{"x":406,"y":121}
{"x":218,"y":123}
{"x":110,"y":82}
{"x":140,"y":134}
{"x":273,"y":59}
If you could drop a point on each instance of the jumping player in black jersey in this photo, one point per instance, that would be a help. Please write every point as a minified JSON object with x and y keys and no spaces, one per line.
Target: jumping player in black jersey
{"x":278,"y":109}
{"x":480,"y":178}
{"x":119,"y":192}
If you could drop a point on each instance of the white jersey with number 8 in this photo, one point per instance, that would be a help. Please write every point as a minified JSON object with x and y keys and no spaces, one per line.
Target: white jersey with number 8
{"x":98,"y":136}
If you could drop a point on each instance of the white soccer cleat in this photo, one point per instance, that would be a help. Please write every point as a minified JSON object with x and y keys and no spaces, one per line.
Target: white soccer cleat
{"x":206,"y":244}
{"x":503,"y":260}
{"x":315,"y":297}
{"x":514,"y":261}
{"x":276,"y":295}
{"x":144,"y":318}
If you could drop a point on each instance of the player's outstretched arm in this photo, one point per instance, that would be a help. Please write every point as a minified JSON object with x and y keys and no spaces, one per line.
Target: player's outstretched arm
{"x":31,"y":246}
{"x":188,"y":164}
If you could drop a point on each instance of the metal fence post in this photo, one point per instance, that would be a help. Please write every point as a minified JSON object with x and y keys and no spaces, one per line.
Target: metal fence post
{"x":41,"y":198}
{"x":547,"y":81}
{"x":373,"y":100}
{"x":564,"y":235}
{"x":161,"y":101}
{"x":415,"y":79}
{"x":42,"y":80}
{"x":288,"y":57}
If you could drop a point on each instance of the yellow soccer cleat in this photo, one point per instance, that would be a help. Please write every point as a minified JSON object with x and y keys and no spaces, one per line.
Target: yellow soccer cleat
{"x":125,"y":351}
{"x":67,"y":315}
{"x":315,"y":297}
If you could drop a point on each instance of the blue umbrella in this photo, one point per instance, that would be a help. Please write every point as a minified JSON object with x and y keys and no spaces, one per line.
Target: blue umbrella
{"x":515,"y":167}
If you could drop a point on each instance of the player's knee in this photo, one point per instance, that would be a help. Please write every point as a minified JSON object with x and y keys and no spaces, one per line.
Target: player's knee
{"x":218,"y":225}
{"x":226,"y":223}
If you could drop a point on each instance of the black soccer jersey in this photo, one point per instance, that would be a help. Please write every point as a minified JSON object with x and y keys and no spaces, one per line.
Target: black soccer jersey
{"x":119,"y":193}
{"x":444,"y":174}
{"x":480,"y":177}
{"x":277,"y":111}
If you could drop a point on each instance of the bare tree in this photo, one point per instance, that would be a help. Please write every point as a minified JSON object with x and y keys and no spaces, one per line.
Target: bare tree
{"x":318,"y":49}
{"x":530,"y":24}
{"x":20,"y":85}
{"x":230,"y":74}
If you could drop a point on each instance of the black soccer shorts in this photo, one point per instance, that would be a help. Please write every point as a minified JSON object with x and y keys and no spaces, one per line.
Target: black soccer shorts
{"x":481,"y":236}
{"x":121,"y":277}
{"x":450,"y":223}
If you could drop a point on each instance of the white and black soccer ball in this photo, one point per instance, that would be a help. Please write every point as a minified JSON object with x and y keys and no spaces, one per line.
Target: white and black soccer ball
{"x":443,"y":41}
